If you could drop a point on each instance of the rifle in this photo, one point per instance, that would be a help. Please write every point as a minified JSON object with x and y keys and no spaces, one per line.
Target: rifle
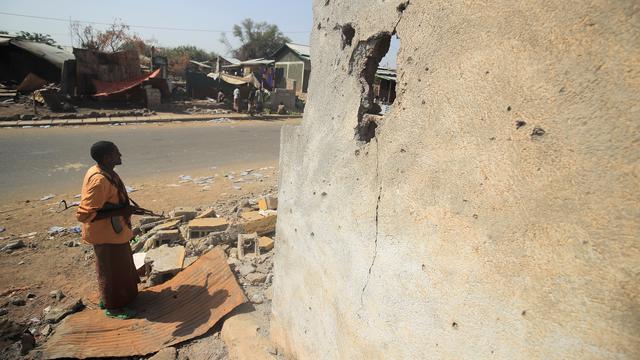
{"x":135,"y":208}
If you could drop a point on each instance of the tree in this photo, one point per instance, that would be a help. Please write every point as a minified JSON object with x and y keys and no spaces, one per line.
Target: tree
{"x":258,"y":39}
{"x":113,"y":39}
{"x":37,"y":37}
{"x":179,"y":57}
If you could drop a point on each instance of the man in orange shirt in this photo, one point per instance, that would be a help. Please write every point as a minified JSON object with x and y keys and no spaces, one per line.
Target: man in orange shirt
{"x":105,"y":214}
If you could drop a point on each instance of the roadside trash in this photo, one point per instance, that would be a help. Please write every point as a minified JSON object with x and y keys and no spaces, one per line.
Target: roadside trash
{"x":2,"y":229}
{"x":47,"y":197}
{"x":77,"y":196}
{"x":56,"y":230}
{"x":75,"y":229}
{"x":130,"y":189}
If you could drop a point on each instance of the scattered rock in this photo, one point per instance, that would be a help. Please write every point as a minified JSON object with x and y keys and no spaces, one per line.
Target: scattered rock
{"x":13,"y":245}
{"x":537,"y":131}
{"x":58,"y":313}
{"x":169,"y":353}
{"x":246,"y":269}
{"x":47,"y":197}
{"x":257,"y":299}
{"x":256,"y":278}
{"x":57,"y":294}
{"x":46,"y":330}
{"x":71,"y":243}
{"x":17,"y":301}
{"x":3,"y":311}
{"x":27,"y":342}
{"x":31,"y":295}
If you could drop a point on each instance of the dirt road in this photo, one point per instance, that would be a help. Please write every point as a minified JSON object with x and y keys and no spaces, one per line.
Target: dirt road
{"x":37,"y":162}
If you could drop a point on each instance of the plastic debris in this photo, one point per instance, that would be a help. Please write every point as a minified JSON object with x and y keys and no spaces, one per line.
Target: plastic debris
{"x":77,"y":196}
{"x":75,"y":229}
{"x":54,"y":230}
{"x":130,"y":189}
{"x":2,"y":229}
{"x":47,"y":197}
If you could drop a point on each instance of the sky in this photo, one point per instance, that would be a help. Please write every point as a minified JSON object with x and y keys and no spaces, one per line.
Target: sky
{"x":293,"y":17}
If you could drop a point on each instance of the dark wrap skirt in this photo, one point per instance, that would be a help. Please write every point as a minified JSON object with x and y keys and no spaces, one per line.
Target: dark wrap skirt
{"x":117,"y":276}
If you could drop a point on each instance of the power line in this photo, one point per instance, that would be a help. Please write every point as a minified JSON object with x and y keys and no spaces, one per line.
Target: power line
{"x":132,"y":26}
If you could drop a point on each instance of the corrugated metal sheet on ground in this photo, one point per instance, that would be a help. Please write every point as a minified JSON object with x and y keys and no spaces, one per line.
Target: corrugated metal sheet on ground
{"x":180,"y":309}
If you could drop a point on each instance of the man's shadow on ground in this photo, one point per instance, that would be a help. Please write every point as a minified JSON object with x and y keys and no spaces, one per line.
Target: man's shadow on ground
{"x":189,"y":306}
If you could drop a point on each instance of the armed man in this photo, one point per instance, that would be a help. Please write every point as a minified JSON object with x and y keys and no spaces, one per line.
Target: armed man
{"x":105,"y":213}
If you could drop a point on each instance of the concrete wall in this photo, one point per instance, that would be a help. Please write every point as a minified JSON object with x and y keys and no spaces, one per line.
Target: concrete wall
{"x":495,"y":211}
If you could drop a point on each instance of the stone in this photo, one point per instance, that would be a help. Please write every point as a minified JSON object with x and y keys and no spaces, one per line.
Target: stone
{"x":3,"y":311}
{"x":165,"y":259}
{"x":13,"y":245}
{"x":246,"y":269}
{"x":144,"y":220}
{"x":138,"y":261}
{"x":266,"y":243}
{"x":256,"y":278}
{"x":253,"y":221}
{"x":209,"y":213}
{"x":56,"y":314}
{"x":46,"y":330}
{"x":257,"y":299}
{"x":71,"y":243}
{"x":202,"y":227}
{"x":188,"y":213}
{"x":167,"y":236}
{"x":17,"y":301}
{"x":169,"y":353}
{"x":57,"y":294}
{"x":268,"y":203}
{"x":31,"y":295}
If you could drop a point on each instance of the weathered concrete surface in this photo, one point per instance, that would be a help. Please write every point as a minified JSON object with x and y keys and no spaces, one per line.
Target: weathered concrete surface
{"x":454,"y":234}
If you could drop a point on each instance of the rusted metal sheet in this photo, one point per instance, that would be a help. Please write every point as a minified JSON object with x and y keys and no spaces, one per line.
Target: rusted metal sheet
{"x":104,"y":89}
{"x":180,"y":309}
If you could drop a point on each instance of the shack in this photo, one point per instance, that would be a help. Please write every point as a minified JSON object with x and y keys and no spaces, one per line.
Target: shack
{"x":293,"y":67}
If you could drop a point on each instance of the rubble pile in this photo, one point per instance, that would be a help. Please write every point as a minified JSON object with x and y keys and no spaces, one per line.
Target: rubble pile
{"x":243,"y":227}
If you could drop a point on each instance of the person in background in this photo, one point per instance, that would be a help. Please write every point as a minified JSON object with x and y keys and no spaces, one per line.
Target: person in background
{"x":236,"y":100}
{"x":251,"y":103}
{"x":259,"y":100}
{"x":220,"y":96}
{"x":282,"y":110}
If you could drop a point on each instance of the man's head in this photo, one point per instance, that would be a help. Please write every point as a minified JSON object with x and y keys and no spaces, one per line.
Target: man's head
{"x":106,"y":153}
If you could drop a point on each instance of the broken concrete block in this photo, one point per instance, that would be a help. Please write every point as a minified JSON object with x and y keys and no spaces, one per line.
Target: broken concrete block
{"x":149,"y":219}
{"x":265,"y":243}
{"x":253,"y":221}
{"x":165,"y":354}
{"x":58,"y":313}
{"x":202,"y":227}
{"x":246,"y":269}
{"x":209,"y":213}
{"x":247,"y":239}
{"x":167,"y":236}
{"x":173,"y":224}
{"x":165,"y":259}
{"x":256,"y":278}
{"x":268,"y":203}
{"x":188,"y":213}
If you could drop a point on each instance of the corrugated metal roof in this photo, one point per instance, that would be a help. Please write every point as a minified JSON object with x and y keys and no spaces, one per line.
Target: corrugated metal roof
{"x":301,"y":50}
{"x":200,"y":64}
{"x":386,"y":74}
{"x":50,"y":53}
{"x":180,"y":309}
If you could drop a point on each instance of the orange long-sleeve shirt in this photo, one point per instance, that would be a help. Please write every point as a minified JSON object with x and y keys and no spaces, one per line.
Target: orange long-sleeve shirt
{"x":96,"y":191}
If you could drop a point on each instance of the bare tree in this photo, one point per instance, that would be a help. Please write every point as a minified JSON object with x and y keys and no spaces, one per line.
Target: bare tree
{"x":113,"y":39}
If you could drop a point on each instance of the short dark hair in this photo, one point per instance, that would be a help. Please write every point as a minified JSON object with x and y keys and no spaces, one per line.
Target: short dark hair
{"x":100,"y":149}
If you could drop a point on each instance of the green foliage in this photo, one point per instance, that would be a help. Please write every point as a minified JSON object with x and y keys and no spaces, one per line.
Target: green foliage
{"x":258,"y":39}
{"x":190,"y":51}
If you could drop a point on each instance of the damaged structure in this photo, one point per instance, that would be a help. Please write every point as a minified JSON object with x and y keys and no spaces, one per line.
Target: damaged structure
{"x":492,"y":213}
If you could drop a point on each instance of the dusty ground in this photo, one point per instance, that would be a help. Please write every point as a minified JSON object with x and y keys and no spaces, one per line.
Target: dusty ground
{"x":47,"y":264}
